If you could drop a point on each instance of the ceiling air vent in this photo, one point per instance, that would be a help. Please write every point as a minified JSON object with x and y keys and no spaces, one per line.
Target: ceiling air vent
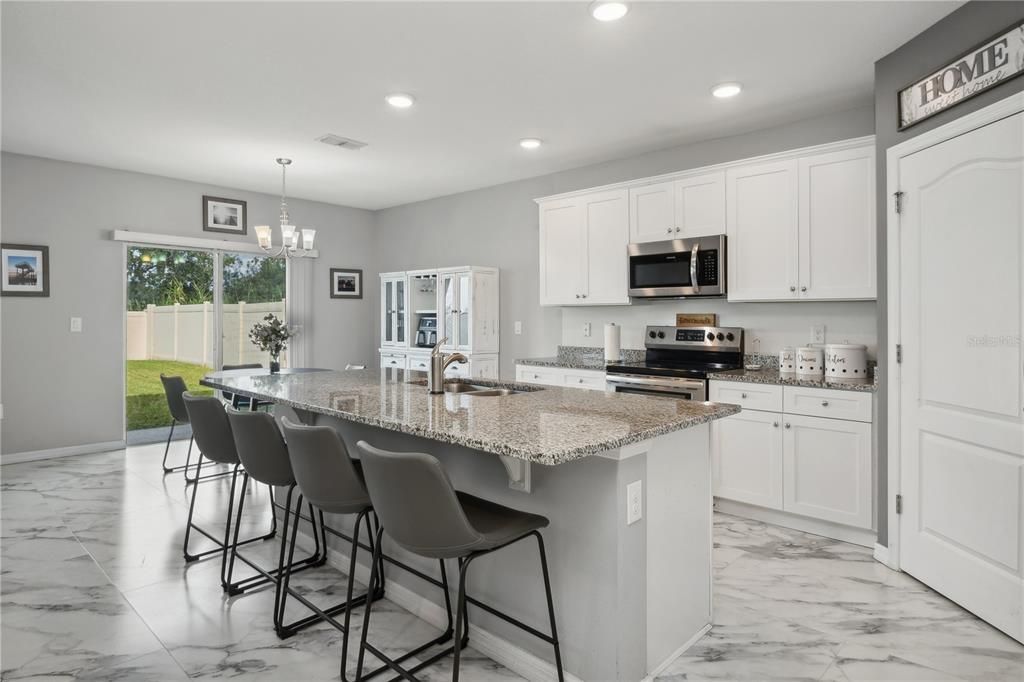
{"x":339,"y":141}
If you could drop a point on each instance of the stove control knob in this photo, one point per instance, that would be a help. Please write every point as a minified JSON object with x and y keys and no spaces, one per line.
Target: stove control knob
{"x":711,"y":336}
{"x":720,"y":336}
{"x":661,"y":335}
{"x":730,"y":337}
{"x":652,"y":334}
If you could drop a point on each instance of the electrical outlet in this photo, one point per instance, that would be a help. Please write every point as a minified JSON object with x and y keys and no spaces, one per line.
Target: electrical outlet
{"x":586,"y":329}
{"x":818,"y":333}
{"x":518,"y":327}
{"x":76,"y":324}
{"x":634,"y":502}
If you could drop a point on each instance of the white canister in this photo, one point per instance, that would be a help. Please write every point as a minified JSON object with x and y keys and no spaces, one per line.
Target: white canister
{"x":810,"y":361}
{"x":787,"y":360}
{"x":846,"y":361}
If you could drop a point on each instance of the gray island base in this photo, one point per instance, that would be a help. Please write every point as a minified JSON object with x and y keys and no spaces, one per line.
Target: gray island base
{"x":629,"y":597}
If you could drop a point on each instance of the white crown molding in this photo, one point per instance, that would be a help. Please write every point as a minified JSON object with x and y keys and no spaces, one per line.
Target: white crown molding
{"x":837,"y":146}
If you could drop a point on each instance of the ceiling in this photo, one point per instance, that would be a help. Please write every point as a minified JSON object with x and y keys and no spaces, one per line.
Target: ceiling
{"x":214,"y":92}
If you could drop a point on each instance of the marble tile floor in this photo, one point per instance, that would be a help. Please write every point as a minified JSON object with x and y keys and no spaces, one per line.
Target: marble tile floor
{"x":94,"y":587}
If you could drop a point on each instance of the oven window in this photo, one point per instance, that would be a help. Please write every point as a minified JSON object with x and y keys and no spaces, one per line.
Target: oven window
{"x":659,"y":270}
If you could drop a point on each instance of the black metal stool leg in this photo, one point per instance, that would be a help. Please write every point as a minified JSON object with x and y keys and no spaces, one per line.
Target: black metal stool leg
{"x":191,"y":509}
{"x":227,"y":567}
{"x":461,"y":638}
{"x":168,"y":447}
{"x":551,"y":605}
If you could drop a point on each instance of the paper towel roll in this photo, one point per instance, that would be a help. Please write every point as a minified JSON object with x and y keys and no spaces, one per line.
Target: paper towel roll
{"x":612,"y":342}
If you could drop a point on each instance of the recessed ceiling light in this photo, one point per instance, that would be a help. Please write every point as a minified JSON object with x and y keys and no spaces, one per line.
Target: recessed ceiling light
{"x":400,"y":100}
{"x":726,"y":90}
{"x":529,"y":143}
{"x":602,"y":10}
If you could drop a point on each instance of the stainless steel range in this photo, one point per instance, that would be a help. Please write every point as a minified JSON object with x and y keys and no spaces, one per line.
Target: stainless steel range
{"x":678,"y":360}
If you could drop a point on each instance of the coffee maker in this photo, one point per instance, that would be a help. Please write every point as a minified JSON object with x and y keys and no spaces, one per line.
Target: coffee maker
{"x":426,"y":331}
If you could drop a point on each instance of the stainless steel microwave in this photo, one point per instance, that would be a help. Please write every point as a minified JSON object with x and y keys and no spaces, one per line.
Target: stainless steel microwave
{"x":678,"y":268}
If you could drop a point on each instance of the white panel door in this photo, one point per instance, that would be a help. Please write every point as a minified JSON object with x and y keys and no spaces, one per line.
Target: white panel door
{"x":961,"y":433}
{"x":837,"y":225}
{"x":761,"y":223}
{"x":700,"y":205}
{"x":562,"y":252}
{"x":652,"y":215}
{"x":827,"y":464}
{"x":746,"y":451}
{"x":606,"y":234}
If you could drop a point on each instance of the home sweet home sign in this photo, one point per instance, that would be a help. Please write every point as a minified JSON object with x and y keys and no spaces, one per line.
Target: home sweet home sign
{"x":988,"y":64}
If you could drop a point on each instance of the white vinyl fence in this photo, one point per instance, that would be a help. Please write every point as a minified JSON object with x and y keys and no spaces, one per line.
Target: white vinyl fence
{"x":185,"y":332}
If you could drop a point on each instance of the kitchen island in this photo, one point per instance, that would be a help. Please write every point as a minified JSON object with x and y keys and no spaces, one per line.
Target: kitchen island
{"x":628,"y":596}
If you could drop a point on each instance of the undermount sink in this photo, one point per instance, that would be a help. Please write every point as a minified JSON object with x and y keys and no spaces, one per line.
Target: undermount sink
{"x":475,"y":390}
{"x":491,"y":392}
{"x":463,"y":388}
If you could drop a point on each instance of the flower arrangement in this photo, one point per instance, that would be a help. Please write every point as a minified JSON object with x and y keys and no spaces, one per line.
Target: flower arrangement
{"x":271,"y":335}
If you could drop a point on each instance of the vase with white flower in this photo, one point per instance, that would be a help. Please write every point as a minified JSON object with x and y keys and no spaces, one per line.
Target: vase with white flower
{"x":271,"y":336}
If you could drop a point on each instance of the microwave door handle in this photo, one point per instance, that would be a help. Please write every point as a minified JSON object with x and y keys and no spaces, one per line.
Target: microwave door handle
{"x":693,"y":268}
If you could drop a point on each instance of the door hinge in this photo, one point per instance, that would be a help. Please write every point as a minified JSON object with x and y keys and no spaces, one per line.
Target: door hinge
{"x":899,"y":504}
{"x":899,"y":353}
{"x":898,"y":196}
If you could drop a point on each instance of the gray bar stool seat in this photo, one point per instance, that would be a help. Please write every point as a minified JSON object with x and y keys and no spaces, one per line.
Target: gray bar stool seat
{"x":334,"y":483}
{"x":421,"y":511}
{"x":174,"y":387}
{"x":217,"y":444}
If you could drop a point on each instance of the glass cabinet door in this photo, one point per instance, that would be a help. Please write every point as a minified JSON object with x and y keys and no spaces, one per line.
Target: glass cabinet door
{"x":400,"y":311}
{"x":465,"y":304}
{"x":448,"y":312}
{"x":389,"y":311}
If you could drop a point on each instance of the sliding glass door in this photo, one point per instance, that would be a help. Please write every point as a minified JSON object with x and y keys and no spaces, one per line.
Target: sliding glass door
{"x":253,"y":287}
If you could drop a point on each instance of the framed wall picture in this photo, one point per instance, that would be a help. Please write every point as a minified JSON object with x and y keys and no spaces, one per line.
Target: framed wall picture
{"x":26,"y":270}
{"x":346,"y":283}
{"x":224,"y":215}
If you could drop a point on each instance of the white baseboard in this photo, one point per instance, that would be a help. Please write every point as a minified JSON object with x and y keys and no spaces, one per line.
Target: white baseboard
{"x":882,"y":556}
{"x":677,"y":653}
{"x":516,"y":659}
{"x":855,"y":536}
{"x":54,"y":453}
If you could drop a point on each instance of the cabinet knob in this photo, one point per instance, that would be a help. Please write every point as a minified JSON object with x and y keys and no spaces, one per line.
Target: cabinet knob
{"x":743,"y":395}
{"x":577,"y":295}
{"x":583,"y":295}
{"x":536,"y":376}
{"x":788,"y":425}
{"x":775,"y":424}
{"x":580,"y":380}
{"x":668,"y":230}
{"x":824,"y":403}
{"x":677,"y":229}
{"x":792,"y":288}
{"x":803,"y":288}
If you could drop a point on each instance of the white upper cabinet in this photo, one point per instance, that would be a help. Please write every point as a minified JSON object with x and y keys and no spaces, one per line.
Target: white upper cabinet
{"x":394,"y":318}
{"x":761,"y":226}
{"x":800,"y":227}
{"x":468,"y":309}
{"x":693,"y":206}
{"x":583,"y":249}
{"x":837,"y":225}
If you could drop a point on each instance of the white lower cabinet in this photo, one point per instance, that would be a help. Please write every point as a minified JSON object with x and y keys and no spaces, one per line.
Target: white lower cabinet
{"x":743,"y":472}
{"x":392,"y":360}
{"x":480,"y":366}
{"x":589,"y":379}
{"x":808,"y":465}
{"x":827,"y":469}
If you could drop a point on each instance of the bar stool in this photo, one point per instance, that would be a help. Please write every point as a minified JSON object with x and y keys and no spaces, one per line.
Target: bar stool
{"x":424,"y":514}
{"x":265,"y":458}
{"x":173,"y":388}
{"x":333,"y":483}
{"x":240,"y":401}
{"x":216,"y":443}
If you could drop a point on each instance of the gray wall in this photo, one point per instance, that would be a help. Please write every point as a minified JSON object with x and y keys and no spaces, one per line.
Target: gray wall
{"x":62,"y":389}
{"x":497,"y":226}
{"x":947,"y":39}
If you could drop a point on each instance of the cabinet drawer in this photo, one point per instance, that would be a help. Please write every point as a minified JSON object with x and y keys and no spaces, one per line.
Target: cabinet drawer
{"x":540,"y":375}
{"x":458,"y":369}
{"x":594,"y":381}
{"x":419,"y":363}
{"x":392,"y":360}
{"x":823,"y":402}
{"x":747,"y":395}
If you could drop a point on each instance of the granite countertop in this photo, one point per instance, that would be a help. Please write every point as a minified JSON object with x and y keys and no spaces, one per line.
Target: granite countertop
{"x":548,"y":425}
{"x":581,"y":357}
{"x":771,"y":375}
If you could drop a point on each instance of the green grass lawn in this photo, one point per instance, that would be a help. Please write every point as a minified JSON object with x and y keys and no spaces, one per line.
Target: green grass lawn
{"x":145,"y":402}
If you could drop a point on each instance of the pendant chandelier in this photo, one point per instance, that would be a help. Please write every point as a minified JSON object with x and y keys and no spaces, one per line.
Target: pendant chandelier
{"x":290,"y":236}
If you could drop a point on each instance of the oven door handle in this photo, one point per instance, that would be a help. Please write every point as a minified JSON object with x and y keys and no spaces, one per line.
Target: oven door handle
{"x":693,"y":268}
{"x":663,"y":382}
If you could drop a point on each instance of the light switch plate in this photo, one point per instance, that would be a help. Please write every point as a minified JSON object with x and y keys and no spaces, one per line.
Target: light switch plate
{"x":518,"y":327}
{"x":586,"y":329}
{"x":634,"y":502}
{"x":818,"y":333}
{"x":76,"y":324}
